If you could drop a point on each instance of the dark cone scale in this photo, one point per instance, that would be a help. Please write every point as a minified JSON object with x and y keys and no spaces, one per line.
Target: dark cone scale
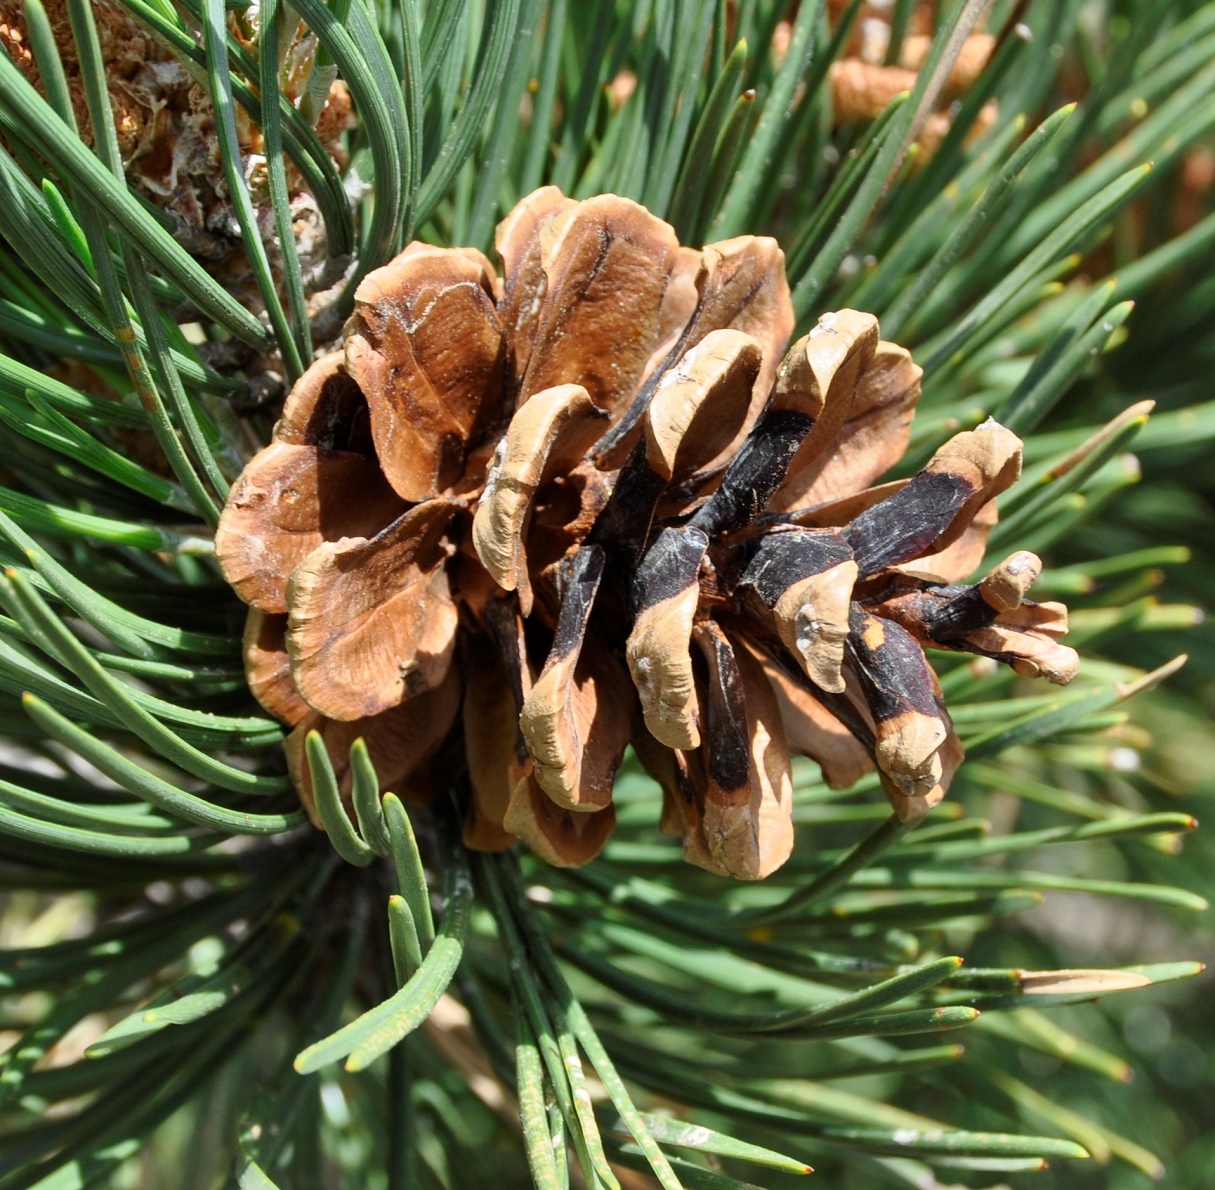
{"x":521,"y":523}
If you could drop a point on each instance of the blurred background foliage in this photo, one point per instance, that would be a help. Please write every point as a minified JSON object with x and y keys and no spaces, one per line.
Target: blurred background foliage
{"x":985,"y":246}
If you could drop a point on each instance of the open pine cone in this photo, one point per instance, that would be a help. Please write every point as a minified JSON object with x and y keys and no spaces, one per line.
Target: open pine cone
{"x":863,"y":83}
{"x":519,"y":524}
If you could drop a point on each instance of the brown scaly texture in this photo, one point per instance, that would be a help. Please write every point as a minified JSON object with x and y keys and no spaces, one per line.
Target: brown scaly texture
{"x":863,"y":83}
{"x":166,"y":127}
{"x":521,"y":522}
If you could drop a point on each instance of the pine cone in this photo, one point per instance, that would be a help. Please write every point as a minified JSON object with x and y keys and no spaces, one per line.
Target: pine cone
{"x":863,"y":84}
{"x":519,"y":524}
{"x":165,"y":126}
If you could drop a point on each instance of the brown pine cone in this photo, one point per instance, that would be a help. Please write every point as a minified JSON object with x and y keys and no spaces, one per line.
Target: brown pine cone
{"x":519,"y":524}
{"x":863,"y":84}
{"x":165,"y":127}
